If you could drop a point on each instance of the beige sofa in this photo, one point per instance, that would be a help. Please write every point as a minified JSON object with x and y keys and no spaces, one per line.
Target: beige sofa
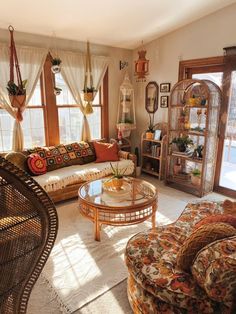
{"x":63,"y":183}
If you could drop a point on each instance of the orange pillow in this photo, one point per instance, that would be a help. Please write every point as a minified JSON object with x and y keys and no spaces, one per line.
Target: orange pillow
{"x":229,"y":219}
{"x":106,"y":151}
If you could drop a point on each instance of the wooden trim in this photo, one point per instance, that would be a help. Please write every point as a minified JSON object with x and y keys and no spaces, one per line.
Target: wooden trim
{"x":105,"y":104}
{"x":225,"y":191}
{"x":52,"y":120}
{"x":188,"y":65}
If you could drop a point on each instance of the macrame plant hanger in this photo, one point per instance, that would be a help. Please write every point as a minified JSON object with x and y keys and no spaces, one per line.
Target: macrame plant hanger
{"x":17,"y":93}
{"x":89,"y":91}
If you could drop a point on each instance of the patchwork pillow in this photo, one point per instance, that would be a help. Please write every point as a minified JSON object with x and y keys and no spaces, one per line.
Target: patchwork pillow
{"x":229,"y":219}
{"x":106,"y":151}
{"x":36,"y":164}
{"x":92,"y":155}
{"x":18,"y":159}
{"x":198,"y":239}
{"x":78,"y":151}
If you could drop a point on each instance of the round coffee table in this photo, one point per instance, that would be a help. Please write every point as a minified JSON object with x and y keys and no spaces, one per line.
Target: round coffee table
{"x":134,"y":203}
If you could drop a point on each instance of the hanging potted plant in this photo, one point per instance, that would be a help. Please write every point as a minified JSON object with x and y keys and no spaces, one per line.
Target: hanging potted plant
{"x":89,"y":93}
{"x":16,"y":92}
{"x":57,"y":91}
{"x":56,"y":65}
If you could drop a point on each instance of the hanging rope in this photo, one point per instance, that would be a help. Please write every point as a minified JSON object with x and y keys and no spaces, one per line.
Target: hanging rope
{"x":88,"y":89}
{"x":14,"y":59}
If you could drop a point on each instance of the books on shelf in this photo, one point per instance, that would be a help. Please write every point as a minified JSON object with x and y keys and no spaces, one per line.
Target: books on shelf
{"x":155,"y":150}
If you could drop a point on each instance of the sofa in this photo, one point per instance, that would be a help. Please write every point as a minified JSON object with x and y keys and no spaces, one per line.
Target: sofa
{"x":70,"y":165}
{"x":156,"y":282}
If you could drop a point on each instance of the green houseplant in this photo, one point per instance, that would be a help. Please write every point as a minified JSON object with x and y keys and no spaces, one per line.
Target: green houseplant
{"x":196,"y":177}
{"x":56,"y":65}
{"x":17,"y":96}
{"x":117,"y":176}
{"x":182,"y":142}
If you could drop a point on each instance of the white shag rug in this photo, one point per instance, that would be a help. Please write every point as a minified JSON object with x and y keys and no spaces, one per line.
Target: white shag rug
{"x":79,"y":268}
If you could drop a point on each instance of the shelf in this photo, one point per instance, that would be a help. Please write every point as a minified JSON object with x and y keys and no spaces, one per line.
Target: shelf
{"x":154,"y":141}
{"x":150,"y":156}
{"x":186,"y":158}
{"x":189,"y":106}
{"x":184,"y":183}
{"x":194,"y":133}
{"x":151,"y":172}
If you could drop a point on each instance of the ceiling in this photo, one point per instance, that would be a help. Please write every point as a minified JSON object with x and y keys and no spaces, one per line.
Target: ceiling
{"x":123,"y":23}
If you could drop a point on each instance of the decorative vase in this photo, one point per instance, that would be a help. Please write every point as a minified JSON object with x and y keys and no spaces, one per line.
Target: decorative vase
{"x":149,"y":135}
{"x":117,"y":183}
{"x":56,"y":69}
{"x":88,"y":96}
{"x":196,"y":180}
{"x":181,"y":147}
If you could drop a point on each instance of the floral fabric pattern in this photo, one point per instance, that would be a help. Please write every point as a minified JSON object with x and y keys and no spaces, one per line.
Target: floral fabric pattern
{"x":151,"y":261}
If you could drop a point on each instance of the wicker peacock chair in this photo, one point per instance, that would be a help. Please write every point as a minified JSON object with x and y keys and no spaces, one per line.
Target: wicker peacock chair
{"x":28,"y":229}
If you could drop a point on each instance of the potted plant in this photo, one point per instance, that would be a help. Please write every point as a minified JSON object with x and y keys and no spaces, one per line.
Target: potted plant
{"x":196,"y":177}
{"x":89,"y":93}
{"x":56,"y":68}
{"x":138,"y":167}
{"x":17,"y":93}
{"x":182,"y":142}
{"x":117,"y":176}
{"x":57,"y":91}
{"x":150,"y":131}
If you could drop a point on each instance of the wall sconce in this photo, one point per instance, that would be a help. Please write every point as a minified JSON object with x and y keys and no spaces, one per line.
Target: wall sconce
{"x":141,"y":66}
{"x":123,"y":64}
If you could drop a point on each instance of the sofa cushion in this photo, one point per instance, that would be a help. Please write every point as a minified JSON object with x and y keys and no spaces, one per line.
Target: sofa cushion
{"x":229,"y":219}
{"x":58,"y":179}
{"x":106,"y":151}
{"x":91,"y":156}
{"x":36,"y":164}
{"x":201,"y":237}
{"x":214,"y":269}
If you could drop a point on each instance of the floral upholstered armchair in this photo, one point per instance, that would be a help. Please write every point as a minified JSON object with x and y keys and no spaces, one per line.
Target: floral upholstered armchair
{"x":185,"y":267}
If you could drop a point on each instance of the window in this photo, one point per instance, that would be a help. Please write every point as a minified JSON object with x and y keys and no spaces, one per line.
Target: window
{"x":50,"y":120}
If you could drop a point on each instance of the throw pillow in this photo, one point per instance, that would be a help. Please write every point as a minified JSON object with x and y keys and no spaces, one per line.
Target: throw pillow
{"x":198,"y":239}
{"x":18,"y":159}
{"x":106,"y":151}
{"x":92,"y":155}
{"x":36,"y":164}
{"x":229,"y":207}
{"x":229,"y":219}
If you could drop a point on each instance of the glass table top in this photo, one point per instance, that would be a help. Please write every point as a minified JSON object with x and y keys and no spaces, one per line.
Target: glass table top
{"x":134,"y":192}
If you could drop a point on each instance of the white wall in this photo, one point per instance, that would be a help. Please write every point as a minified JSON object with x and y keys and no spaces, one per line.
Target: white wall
{"x":115,"y":54}
{"x":203,"y":38}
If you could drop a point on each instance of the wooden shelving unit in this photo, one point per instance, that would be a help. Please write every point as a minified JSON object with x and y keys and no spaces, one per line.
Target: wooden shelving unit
{"x":153,"y":153}
{"x":193,"y":104}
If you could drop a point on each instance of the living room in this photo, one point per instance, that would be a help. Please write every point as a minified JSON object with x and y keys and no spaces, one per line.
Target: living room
{"x":89,"y":262}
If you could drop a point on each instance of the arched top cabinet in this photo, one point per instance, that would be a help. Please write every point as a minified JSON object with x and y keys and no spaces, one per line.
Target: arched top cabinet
{"x":193,"y":135}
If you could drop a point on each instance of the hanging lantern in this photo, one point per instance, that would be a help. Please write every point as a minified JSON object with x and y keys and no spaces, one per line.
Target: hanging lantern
{"x":141,"y":66}
{"x":126,"y":110}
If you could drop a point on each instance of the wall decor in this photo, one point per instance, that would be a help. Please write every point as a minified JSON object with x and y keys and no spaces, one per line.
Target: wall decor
{"x":123,"y":64}
{"x":151,"y":97}
{"x":141,"y":65}
{"x":165,"y":87}
{"x":164,"y":101}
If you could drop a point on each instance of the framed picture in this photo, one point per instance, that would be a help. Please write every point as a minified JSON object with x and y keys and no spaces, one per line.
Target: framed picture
{"x":165,"y":87}
{"x":157,"y":135}
{"x":164,"y":101}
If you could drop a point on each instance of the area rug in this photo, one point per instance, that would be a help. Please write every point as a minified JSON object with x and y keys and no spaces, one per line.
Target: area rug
{"x":80,"y":269}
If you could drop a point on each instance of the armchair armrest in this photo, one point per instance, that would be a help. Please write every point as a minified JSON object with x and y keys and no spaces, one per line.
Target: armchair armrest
{"x":126,"y":155}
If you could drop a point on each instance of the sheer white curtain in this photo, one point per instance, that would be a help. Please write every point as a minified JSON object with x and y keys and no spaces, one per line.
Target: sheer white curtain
{"x":73,"y":72}
{"x":31,"y":61}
